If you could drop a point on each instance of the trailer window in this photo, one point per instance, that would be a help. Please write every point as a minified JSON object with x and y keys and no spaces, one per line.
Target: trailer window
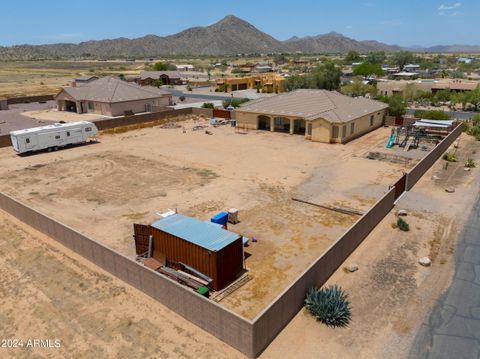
{"x":27,"y":140}
{"x":57,"y":137}
{"x":88,"y":129}
{"x":68,"y":133}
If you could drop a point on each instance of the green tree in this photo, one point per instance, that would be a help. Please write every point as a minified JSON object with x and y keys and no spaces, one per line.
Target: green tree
{"x":157,"y":83}
{"x":164,"y":66}
{"x":443,"y":95}
{"x":368,"y":69}
{"x":327,"y":76}
{"x":396,"y":105}
{"x":412,"y":93}
{"x":358,"y":88}
{"x":279,"y":59}
{"x":352,"y":56}
{"x":376,"y":57}
{"x":403,"y":58}
{"x":324,"y":76}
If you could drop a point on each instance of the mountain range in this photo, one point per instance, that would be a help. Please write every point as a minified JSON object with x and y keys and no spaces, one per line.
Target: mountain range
{"x":229,"y":36}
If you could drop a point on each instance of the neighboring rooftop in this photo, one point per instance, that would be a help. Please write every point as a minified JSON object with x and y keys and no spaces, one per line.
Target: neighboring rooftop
{"x":86,"y":78}
{"x":312,"y":104}
{"x":207,"y":235}
{"x":155,"y":75}
{"x":455,"y":85}
{"x":109,"y":89}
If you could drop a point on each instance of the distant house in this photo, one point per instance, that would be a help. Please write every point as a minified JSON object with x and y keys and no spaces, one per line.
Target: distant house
{"x":454,"y":85}
{"x":319,"y":115}
{"x":110,"y":96}
{"x":268,"y":83}
{"x":185,"y":67}
{"x":411,"y":68}
{"x":82,"y":80}
{"x":167,"y":77}
{"x":263,"y":68}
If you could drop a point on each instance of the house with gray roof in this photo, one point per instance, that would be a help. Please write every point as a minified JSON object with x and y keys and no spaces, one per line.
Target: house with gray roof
{"x":111,"y":96}
{"x":319,"y":115}
{"x":166,"y":77}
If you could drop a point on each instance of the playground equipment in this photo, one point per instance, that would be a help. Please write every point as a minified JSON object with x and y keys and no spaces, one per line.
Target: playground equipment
{"x":409,"y":136}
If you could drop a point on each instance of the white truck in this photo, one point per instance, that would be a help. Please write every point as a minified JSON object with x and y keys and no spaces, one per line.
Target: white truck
{"x":52,"y":137}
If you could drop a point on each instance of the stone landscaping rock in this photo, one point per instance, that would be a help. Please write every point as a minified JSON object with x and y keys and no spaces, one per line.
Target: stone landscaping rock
{"x":353,"y":267}
{"x":450,"y":190}
{"x":402,"y":212}
{"x":435,"y":178}
{"x":425,"y":261}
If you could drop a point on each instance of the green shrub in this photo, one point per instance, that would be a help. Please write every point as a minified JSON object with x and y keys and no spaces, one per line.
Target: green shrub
{"x":329,"y":305}
{"x":208,"y":105}
{"x":403,"y":225}
{"x":431,"y":115}
{"x":470,"y":163}
{"x":450,"y":157}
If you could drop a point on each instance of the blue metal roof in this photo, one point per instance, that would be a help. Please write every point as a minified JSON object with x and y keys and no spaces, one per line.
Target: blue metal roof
{"x":204,"y":234}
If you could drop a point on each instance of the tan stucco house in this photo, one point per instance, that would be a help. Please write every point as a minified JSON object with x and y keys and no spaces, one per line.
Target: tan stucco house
{"x":319,"y":115}
{"x":110,"y":96}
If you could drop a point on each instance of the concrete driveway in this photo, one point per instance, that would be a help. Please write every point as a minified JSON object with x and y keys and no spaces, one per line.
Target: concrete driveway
{"x":453,"y":328}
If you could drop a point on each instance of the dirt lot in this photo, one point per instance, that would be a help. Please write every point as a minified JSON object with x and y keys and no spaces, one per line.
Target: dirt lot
{"x":25,"y":78}
{"x":102,"y":189}
{"x":48,"y":292}
{"x":391,"y":292}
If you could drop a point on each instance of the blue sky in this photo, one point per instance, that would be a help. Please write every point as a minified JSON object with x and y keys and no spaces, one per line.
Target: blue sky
{"x":404,"y":22}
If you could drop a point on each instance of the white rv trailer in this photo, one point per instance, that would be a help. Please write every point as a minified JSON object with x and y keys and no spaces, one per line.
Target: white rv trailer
{"x":52,"y":137}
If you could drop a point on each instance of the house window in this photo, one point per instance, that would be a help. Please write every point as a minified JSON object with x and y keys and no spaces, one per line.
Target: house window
{"x":27,"y":140}
{"x":344,"y":131}
{"x":88,"y":129}
{"x":91,"y":105}
{"x":371,"y":120}
{"x":148,"y":107}
{"x":68,"y":133}
{"x":335,"y":132}
{"x":352,"y":128}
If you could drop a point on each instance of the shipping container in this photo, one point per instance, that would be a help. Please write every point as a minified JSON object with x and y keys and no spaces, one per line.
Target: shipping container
{"x":204,"y":246}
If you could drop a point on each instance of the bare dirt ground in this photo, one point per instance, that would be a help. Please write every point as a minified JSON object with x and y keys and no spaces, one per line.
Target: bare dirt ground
{"x":49,"y":292}
{"x":102,"y":189}
{"x":391,"y":292}
{"x":54,"y":115}
{"x":26,"y":78}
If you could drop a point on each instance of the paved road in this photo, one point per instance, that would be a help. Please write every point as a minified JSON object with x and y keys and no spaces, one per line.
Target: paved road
{"x":188,"y":94}
{"x":453,"y":329}
{"x":461,"y":115}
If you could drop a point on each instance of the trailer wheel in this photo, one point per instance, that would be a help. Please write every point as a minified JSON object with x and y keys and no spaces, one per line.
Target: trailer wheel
{"x":49,"y":149}
{"x":55,"y":148}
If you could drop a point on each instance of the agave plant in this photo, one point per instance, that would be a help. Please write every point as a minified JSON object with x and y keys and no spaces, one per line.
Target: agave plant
{"x":329,"y":305}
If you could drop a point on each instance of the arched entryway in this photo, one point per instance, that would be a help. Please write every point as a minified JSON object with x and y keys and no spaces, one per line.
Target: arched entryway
{"x":263,"y":123}
{"x":299,"y":126}
{"x":282,"y":124}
